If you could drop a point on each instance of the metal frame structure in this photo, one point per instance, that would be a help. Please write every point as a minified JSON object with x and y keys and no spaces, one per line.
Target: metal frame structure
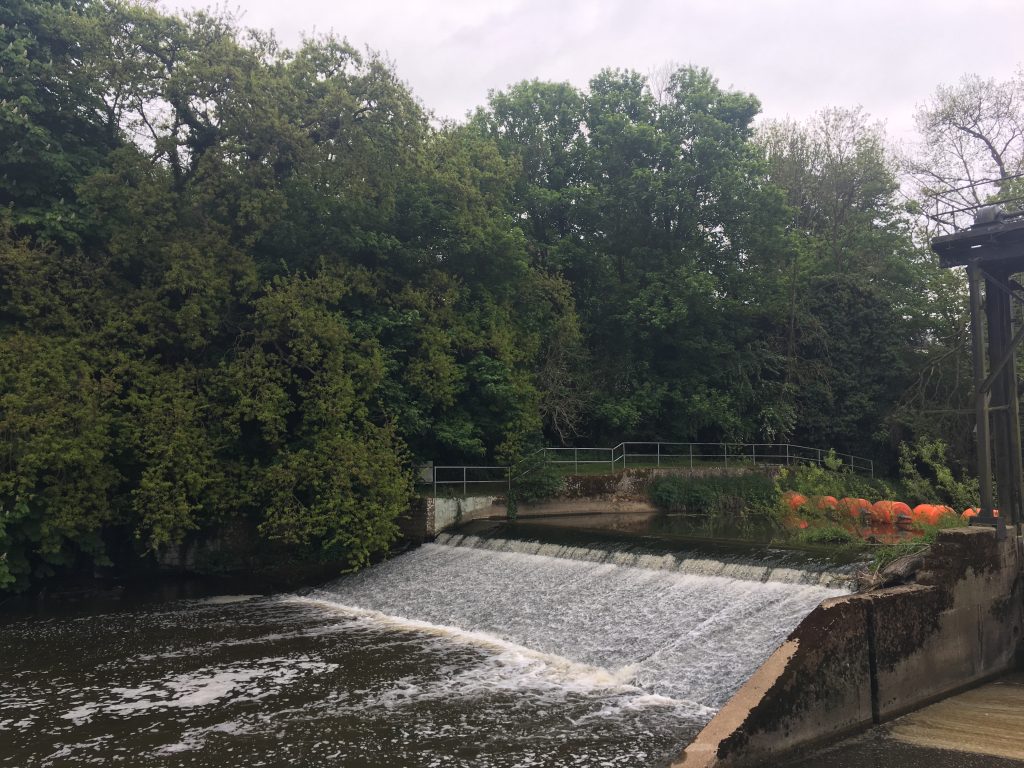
{"x":993,"y":252}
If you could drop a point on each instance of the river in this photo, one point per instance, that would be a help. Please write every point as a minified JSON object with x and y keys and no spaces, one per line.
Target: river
{"x":466,"y":652}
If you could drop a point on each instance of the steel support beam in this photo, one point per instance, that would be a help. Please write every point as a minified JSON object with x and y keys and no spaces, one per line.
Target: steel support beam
{"x":980,"y":396}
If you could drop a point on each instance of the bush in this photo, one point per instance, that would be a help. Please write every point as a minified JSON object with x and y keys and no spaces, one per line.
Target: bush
{"x":928,"y":478}
{"x":719,"y":500}
{"x":831,"y":479}
{"x":538,"y":480}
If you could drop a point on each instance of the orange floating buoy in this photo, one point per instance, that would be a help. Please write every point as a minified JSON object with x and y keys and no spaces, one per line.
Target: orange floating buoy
{"x":899,"y":508}
{"x":970,"y":512}
{"x":821,"y":503}
{"x":929,"y":513}
{"x":881,"y":512}
{"x":794,"y":500}
{"x":850,"y":506}
{"x":923,"y":511}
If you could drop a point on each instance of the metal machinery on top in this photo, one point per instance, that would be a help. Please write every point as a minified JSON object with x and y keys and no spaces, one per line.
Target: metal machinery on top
{"x":993,"y":252}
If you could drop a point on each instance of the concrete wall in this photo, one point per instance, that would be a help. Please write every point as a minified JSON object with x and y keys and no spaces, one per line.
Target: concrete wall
{"x":445,"y":513}
{"x":428,"y":516}
{"x":862,"y":659}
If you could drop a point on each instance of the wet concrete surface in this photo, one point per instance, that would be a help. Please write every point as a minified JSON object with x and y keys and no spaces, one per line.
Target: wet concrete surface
{"x":878,"y":749}
{"x":982,"y":728}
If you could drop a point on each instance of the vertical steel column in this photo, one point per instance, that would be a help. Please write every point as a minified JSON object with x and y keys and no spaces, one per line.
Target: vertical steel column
{"x":1003,"y":404}
{"x":1016,"y":513}
{"x":980,"y":396}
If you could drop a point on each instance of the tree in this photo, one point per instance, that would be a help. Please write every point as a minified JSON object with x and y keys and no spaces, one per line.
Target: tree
{"x":971,"y":151}
{"x":653,"y":214}
{"x":859,"y":291}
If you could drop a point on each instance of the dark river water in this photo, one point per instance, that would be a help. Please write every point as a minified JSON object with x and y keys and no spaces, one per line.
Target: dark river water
{"x":462,"y":653}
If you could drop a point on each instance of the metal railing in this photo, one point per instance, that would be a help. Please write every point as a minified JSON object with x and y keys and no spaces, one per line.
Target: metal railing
{"x":659,"y":454}
{"x":468,"y":477}
{"x":638,"y":454}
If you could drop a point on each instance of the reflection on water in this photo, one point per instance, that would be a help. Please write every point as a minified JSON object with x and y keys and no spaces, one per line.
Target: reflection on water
{"x":446,"y":656}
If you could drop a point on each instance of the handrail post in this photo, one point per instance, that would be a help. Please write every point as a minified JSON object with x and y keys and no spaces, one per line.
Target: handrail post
{"x":659,"y":454}
{"x":691,"y":455}
{"x":464,"y":493}
{"x":576,"y":460}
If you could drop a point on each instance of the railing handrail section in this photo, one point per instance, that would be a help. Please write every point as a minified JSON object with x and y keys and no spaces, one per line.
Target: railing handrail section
{"x":619,"y":454}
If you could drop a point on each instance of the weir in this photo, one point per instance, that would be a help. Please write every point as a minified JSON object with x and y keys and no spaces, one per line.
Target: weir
{"x":680,"y":631}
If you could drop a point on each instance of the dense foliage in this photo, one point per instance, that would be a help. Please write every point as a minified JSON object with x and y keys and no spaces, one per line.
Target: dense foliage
{"x":240,"y":281}
{"x":720,"y":502}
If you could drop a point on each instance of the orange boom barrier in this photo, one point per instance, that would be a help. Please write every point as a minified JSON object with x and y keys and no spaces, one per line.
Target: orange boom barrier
{"x":975,"y":511}
{"x":824,"y":503}
{"x":881,"y":512}
{"x":927,"y":513}
{"x":901,"y":515}
{"x":899,"y":508}
{"x":794,"y":500}
{"x":851,"y":506}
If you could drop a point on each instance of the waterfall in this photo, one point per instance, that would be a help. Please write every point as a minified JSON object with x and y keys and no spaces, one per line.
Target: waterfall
{"x":668,"y":627}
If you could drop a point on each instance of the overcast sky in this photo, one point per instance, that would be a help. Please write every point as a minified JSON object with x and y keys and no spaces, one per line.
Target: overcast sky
{"x":797,"y":56}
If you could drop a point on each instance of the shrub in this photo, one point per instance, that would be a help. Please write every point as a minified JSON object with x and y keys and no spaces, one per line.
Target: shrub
{"x":538,"y":480}
{"x":927,"y":476}
{"x":722,"y":500}
{"x":830,"y":479}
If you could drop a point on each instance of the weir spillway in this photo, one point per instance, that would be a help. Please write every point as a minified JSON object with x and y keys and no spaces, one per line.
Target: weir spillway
{"x":473,"y":652}
{"x":676,"y":631}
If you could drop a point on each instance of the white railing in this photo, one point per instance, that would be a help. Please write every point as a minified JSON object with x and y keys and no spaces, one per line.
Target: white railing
{"x":639,"y":454}
{"x":469,"y":477}
{"x":659,"y":454}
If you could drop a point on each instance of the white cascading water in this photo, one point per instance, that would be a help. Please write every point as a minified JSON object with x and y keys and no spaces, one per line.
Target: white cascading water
{"x":684,"y":630}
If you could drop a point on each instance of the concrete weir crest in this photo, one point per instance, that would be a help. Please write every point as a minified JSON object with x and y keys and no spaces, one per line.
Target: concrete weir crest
{"x":867,"y":658}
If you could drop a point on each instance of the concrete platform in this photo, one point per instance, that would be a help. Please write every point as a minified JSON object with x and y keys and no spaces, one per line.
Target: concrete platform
{"x":986,"y":721}
{"x":982,"y":728}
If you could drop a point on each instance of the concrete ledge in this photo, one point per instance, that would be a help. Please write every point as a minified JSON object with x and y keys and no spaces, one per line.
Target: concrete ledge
{"x":862,"y":659}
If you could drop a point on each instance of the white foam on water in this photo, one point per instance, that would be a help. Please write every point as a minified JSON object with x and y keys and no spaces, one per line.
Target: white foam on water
{"x":196,"y":738}
{"x":545,"y":666}
{"x":201,"y":687}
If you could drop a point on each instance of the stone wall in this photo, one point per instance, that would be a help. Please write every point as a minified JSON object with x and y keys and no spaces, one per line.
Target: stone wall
{"x":862,"y":659}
